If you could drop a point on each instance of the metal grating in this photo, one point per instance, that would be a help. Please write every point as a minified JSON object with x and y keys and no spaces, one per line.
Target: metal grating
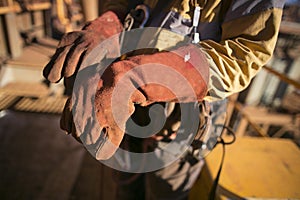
{"x":7,"y":100}
{"x":30,"y":97}
{"x":53,"y":105}
{"x":25,"y":89}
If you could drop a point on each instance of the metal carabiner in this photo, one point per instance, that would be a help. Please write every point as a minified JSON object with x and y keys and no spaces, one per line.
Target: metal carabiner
{"x":145,"y":14}
{"x":136,"y":18}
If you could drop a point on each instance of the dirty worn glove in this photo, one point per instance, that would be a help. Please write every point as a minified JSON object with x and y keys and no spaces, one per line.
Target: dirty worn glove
{"x":74,"y":46}
{"x":177,"y":76}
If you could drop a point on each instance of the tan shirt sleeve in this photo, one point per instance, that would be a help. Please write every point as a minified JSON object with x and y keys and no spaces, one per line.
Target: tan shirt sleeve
{"x":246,"y":46}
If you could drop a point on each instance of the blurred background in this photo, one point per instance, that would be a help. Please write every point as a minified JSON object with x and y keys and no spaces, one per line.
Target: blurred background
{"x":39,"y":161}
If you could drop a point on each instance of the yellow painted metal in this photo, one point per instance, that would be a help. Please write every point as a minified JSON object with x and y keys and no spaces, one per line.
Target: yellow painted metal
{"x":253,"y":167}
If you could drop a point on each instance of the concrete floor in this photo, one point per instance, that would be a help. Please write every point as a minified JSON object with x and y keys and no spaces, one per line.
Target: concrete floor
{"x":38,"y":161}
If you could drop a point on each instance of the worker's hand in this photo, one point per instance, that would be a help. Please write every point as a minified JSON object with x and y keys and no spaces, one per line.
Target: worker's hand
{"x":178,"y":76}
{"x":74,"y":46}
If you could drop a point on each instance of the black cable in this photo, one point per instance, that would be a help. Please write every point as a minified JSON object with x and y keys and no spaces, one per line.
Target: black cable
{"x":213,"y":190}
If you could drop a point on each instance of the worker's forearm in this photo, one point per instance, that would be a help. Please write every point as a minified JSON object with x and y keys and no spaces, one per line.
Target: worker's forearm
{"x":237,"y":58}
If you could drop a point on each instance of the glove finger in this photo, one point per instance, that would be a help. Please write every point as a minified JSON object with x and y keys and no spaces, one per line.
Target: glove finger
{"x":74,"y":58}
{"x":66,"y":117}
{"x":47,"y":69}
{"x":107,"y":148}
{"x":74,"y":133}
{"x":69,"y":39}
{"x":67,"y":122}
{"x":69,"y":84}
{"x":85,"y":99}
{"x":53,"y":70}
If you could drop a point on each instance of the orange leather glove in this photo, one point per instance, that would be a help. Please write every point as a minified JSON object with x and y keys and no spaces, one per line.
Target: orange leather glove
{"x":178,"y":76}
{"x":74,"y":46}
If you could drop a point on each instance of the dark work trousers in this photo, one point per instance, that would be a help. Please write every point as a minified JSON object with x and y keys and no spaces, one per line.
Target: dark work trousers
{"x":170,"y":183}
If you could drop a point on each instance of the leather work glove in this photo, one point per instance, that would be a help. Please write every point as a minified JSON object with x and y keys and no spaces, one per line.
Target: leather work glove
{"x":177,"y":76}
{"x":74,"y":46}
